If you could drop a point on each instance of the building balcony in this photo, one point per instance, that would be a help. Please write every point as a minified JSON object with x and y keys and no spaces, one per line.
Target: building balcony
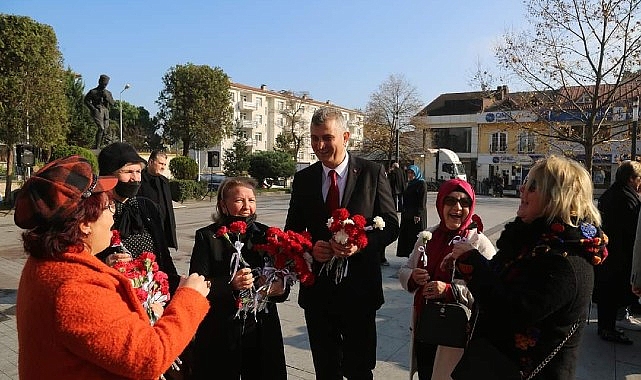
{"x":249,"y":124}
{"x":247,"y":105}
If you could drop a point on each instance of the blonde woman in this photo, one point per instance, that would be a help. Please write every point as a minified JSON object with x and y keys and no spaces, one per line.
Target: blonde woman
{"x":533,"y":295}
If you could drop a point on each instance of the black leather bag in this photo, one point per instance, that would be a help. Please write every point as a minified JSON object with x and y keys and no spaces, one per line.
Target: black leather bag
{"x":444,"y":324}
{"x":482,"y":360}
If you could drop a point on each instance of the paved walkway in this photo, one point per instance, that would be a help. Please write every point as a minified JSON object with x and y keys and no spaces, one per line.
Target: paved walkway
{"x":598,"y":360}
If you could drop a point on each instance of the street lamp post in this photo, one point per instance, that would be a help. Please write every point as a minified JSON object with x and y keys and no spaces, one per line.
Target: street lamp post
{"x":120,"y":103}
{"x":635,"y":128}
{"x":398,"y":132}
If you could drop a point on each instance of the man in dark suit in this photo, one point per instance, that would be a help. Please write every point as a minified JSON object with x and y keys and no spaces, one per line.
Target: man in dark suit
{"x":340,"y":315}
{"x":155,"y":186}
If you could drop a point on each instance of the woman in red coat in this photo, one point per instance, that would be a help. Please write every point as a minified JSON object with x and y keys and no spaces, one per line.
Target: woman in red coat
{"x":77,"y":318}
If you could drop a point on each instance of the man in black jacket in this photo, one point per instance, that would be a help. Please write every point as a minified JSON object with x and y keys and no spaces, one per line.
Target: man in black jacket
{"x":155,"y":186}
{"x":619,"y":207}
{"x":340,"y":314}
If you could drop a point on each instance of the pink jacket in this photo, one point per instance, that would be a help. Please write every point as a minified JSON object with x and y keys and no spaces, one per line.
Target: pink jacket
{"x":77,"y":318}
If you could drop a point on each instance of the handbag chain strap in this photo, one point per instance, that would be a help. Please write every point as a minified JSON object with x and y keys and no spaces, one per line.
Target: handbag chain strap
{"x":545,"y":361}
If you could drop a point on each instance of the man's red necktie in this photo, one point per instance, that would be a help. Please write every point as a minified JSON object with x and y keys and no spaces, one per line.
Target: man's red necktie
{"x":332,"y":201}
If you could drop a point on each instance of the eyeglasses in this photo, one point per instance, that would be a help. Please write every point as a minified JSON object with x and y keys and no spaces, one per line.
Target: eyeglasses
{"x":451,"y":201}
{"x":111,"y":207}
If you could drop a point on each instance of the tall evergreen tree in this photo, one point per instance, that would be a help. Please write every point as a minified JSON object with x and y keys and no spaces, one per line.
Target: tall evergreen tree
{"x":237,"y":158}
{"x":195,"y":106}
{"x":33,"y":107}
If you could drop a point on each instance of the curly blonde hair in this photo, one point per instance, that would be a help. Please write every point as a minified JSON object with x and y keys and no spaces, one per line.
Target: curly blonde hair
{"x":566,"y":190}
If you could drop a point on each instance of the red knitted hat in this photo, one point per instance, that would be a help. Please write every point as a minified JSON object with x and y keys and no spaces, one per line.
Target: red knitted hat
{"x":55,"y":190}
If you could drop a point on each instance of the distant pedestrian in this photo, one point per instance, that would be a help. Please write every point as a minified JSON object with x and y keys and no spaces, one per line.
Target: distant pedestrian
{"x":414,"y":215}
{"x":397,"y":183}
{"x":619,"y":207}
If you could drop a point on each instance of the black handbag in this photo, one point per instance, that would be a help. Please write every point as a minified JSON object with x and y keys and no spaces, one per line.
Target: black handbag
{"x":444,"y":324}
{"x":482,"y":360}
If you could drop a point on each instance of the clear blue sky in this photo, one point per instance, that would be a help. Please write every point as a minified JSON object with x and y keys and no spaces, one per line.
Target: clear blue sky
{"x":337,"y":50}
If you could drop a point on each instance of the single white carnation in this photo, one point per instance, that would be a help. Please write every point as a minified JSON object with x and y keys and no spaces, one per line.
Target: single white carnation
{"x":348,"y":221}
{"x":329,"y":222}
{"x":341,"y":237}
{"x":425,"y":235}
{"x":379,"y":222}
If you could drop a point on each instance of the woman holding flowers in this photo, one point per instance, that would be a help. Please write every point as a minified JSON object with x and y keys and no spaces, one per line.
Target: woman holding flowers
{"x":77,"y":318}
{"x":422,"y":273}
{"x":534,"y":294}
{"x":236,"y":340}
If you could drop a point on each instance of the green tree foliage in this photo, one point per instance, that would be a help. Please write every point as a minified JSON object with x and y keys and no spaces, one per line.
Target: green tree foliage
{"x":61,"y":151}
{"x":82,"y":130}
{"x":137,"y":126}
{"x":271,"y":164}
{"x":194,"y":106}
{"x":183,"y":167}
{"x":286,"y":142}
{"x":31,"y":87}
{"x":237,"y":158}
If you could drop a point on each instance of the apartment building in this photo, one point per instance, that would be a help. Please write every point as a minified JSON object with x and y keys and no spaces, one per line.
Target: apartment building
{"x":264,"y":114}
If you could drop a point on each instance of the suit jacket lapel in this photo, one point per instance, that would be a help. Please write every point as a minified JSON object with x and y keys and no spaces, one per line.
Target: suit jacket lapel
{"x":353,"y":171}
{"x":316,"y":184}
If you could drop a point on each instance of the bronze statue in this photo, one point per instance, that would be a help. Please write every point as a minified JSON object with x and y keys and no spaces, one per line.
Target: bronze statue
{"x":99,"y":100}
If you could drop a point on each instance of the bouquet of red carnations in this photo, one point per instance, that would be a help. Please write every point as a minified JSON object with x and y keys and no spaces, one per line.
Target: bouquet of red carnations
{"x":289,"y":251}
{"x":348,"y":231}
{"x":149,"y":283}
{"x":291,"y":261}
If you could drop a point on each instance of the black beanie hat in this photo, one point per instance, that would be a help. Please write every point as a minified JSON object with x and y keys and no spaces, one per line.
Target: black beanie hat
{"x":115,"y":156}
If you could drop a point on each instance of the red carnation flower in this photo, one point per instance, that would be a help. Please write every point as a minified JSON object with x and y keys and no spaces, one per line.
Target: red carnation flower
{"x":359,"y":221}
{"x":115,"y":238}
{"x":557,"y":227}
{"x":238,"y":227}
{"x":222,"y":231}
{"x":340,"y":214}
{"x":479,"y":224}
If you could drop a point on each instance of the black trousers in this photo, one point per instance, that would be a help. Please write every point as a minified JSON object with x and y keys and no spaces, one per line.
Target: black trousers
{"x":342,"y":343}
{"x":425,"y":355}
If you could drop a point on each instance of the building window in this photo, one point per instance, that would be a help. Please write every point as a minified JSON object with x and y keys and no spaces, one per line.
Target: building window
{"x":259,"y":102}
{"x":244,"y":98}
{"x":498,"y":144}
{"x":526,"y":142}
{"x":243,"y":116}
{"x":280,"y":121}
{"x":259,"y":119}
{"x":258,"y":136}
{"x":281,"y":106}
{"x":456,"y":139}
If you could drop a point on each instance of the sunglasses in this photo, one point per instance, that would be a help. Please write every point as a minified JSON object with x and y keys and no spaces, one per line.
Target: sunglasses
{"x":451,"y":201}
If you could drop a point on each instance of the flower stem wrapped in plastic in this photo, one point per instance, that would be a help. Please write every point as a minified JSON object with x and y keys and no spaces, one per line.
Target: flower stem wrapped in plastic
{"x":289,"y":252}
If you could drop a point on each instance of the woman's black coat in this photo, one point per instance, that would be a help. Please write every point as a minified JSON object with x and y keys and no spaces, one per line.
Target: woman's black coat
{"x":218,"y":347}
